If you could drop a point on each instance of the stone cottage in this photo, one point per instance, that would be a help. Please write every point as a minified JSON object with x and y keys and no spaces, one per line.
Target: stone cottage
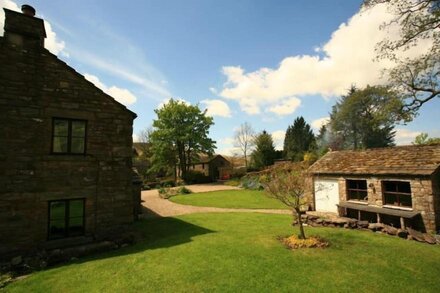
{"x":65,"y":148}
{"x":215,"y":167}
{"x":395,"y":185}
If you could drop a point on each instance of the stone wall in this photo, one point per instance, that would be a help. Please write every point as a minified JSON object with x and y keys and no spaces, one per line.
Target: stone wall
{"x":422,"y":190}
{"x":436,"y":198}
{"x":35,"y":86}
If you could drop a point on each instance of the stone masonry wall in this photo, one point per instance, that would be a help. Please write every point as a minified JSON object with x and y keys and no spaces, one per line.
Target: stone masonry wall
{"x":35,"y":87}
{"x":421,"y":189}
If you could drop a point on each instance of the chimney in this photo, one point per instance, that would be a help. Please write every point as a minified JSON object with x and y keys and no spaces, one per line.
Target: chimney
{"x":24,"y":29}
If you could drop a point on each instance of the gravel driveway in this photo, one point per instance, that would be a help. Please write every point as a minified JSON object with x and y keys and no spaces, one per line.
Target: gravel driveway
{"x":156,"y":206}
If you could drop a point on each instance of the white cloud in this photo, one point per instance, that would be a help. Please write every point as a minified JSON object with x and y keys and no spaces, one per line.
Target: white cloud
{"x":286,"y":106}
{"x":316,"y":124}
{"x":165,"y":101}
{"x":405,"y":136}
{"x":52,"y":43}
{"x":278,"y":139}
{"x":217,"y":108}
{"x":213,"y":90}
{"x":345,"y":59}
{"x":136,"y":138}
{"x":121,"y":95}
{"x":229,"y":151}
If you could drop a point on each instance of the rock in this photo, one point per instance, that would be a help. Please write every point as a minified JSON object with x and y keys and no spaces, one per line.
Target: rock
{"x":346,"y":226}
{"x":375,"y":226}
{"x":313,"y":217}
{"x":402,"y":233}
{"x":437,"y":237}
{"x":429,"y":238}
{"x":416,"y":235}
{"x":389,"y":230}
{"x":304,"y":217}
{"x":363,"y":224}
{"x":319,"y":221}
{"x":16,"y":260}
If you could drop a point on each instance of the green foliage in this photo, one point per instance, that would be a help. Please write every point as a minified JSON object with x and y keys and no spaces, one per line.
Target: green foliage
{"x":233,"y":182}
{"x":264,"y":153}
{"x":365,"y":118}
{"x":183,"y":190}
{"x":299,"y":139}
{"x":322,"y":141}
{"x":196,"y":177}
{"x":179,"y":134}
{"x":251,"y":182}
{"x":423,"y":139}
{"x":168,"y":192}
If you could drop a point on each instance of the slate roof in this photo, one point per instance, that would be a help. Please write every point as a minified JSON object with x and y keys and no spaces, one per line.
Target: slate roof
{"x":401,"y":160}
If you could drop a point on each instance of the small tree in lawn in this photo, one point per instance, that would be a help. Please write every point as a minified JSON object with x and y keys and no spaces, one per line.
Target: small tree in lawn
{"x":289,"y":187}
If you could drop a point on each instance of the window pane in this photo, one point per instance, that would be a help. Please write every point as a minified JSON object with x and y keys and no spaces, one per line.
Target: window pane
{"x":390,"y":186}
{"x":76,"y":208}
{"x":57,"y":210}
{"x":57,"y":229}
{"x":391,"y":199}
{"x":76,"y":226}
{"x":78,"y":128}
{"x":61,"y":127}
{"x":405,"y":200}
{"x":404,"y":187}
{"x":362,"y":184}
{"x":60,"y":145}
{"x":77,"y":146}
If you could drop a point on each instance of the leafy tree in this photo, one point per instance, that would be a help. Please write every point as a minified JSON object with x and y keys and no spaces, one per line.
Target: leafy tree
{"x":423,"y":139}
{"x":264,"y":153}
{"x":244,"y":139}
{"x":322,"y":141}
{"x":418,"y":78}
{"x":298,"y":140}
{"x":143,"y":161}
{"x":365,"y":118}
{"x":180,"y":134}
{"x":289,"y":187}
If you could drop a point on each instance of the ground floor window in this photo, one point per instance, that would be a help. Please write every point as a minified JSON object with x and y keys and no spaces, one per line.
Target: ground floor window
{"x":357,"y":190}
{"x":397,"y":193}
{"x":66,"y":218}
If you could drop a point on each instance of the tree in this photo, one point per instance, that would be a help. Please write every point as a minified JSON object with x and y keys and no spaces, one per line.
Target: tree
{"x":143,"y":161}
{"x":244,"y":139}
{"x":423,"y":139}
{"x":264,"y":153}
{"x":298,"y":140}
{"x":416,"y":78}
{"x":322,"y":141}
{"x":365,"y":118}
{"x":180,"y":134}
{"x":289,"y":187}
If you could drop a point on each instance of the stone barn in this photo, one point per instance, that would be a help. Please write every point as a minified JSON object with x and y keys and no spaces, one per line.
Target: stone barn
{"x":399,"y":185}
{"x":65,"y":148}
{"x":216,"y":167}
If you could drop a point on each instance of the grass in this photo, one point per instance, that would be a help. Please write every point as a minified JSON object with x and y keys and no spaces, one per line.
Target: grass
{"x":251,"y":199}
{"x":240,"y":253}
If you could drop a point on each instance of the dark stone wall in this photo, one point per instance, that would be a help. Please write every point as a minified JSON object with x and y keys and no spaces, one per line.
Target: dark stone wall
{"x":35,"y":86}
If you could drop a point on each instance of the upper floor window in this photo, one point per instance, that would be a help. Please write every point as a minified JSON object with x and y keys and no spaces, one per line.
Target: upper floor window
{"x":357,"y":190}
{"x":69,"y":136}
{"x":397,"y":193}
{"x":66,"y":218}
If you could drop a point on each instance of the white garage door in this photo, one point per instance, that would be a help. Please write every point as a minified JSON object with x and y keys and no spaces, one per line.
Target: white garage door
{"x":326,"y":195}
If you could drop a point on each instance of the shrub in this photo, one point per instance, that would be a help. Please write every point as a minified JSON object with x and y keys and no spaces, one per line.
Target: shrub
{"x":195,"y":177}
{"x":183,"y":190}
{"x":146,"y":187}
{"x":251,"y":182}
{"x":233,"y":182}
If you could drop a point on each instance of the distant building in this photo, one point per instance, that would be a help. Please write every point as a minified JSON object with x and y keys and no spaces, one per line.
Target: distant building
{"x":216,"y":167}
{"x":394,"y":185}
{"x":65,"y":148}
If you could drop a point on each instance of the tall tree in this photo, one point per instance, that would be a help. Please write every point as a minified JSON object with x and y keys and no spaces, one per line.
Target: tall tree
{"x":322,"y":140}
{"x":264,"y":153}
{"x":424,"y":139}
{"x":365,"y":118}
{"x":180,"y":134}
{"x":298,"y":140}
{"x":416,"y":78}
{"x":244,"y":138}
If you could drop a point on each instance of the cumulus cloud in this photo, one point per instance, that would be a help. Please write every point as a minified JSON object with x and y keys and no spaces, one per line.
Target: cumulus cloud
{"x":52,"y":42}
{"x":278,"y":139}
{"x":345,"y":59}
{"x":405,"y":136}
{"x":286,"y":106}
{"x":317,"y":123}
{"x":166,"y":101}
{"x":217,"y":108}
{"x":213,"y":90}
{"x":121,"y":95}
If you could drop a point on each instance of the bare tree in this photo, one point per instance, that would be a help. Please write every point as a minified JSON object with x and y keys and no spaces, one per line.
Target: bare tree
{"x":244,"y":139}
{"x":290,"y":187}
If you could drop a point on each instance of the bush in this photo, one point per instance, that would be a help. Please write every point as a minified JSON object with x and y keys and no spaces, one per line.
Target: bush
{"x":167,"y":192}
{"x":233,"y":182}
{"x":146,"y":187}
{"x":184,"y":190}
{"x":251,"y":182}
{"x":195,"y":177}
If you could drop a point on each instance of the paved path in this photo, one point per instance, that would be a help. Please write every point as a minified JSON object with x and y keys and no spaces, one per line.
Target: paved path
{"x":156,"y":206}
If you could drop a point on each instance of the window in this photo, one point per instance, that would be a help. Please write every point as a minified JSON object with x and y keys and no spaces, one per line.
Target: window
{"x":397,"y":193}
{"x":357,"y":190}
{"x":66,"y":218}
{"x":69,"y":136}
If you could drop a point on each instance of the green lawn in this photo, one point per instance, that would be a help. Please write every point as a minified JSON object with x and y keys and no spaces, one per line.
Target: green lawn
{"x":251,"y":199}
{"x":235,"y":252}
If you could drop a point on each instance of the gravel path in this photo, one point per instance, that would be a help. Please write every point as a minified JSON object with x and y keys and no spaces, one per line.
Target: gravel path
{"x":156,"y":206}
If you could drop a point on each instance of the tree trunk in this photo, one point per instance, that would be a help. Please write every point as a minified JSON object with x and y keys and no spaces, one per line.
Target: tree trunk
{"x":245,"y":161}
{"x":302,"y":235}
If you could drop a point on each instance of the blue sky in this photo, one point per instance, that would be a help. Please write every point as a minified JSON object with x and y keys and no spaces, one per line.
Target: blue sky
{"x":264,"y":62}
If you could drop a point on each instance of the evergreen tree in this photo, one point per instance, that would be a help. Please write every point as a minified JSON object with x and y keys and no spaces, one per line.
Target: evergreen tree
{"x":264,"y":153}
{"x":299,"y":139}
